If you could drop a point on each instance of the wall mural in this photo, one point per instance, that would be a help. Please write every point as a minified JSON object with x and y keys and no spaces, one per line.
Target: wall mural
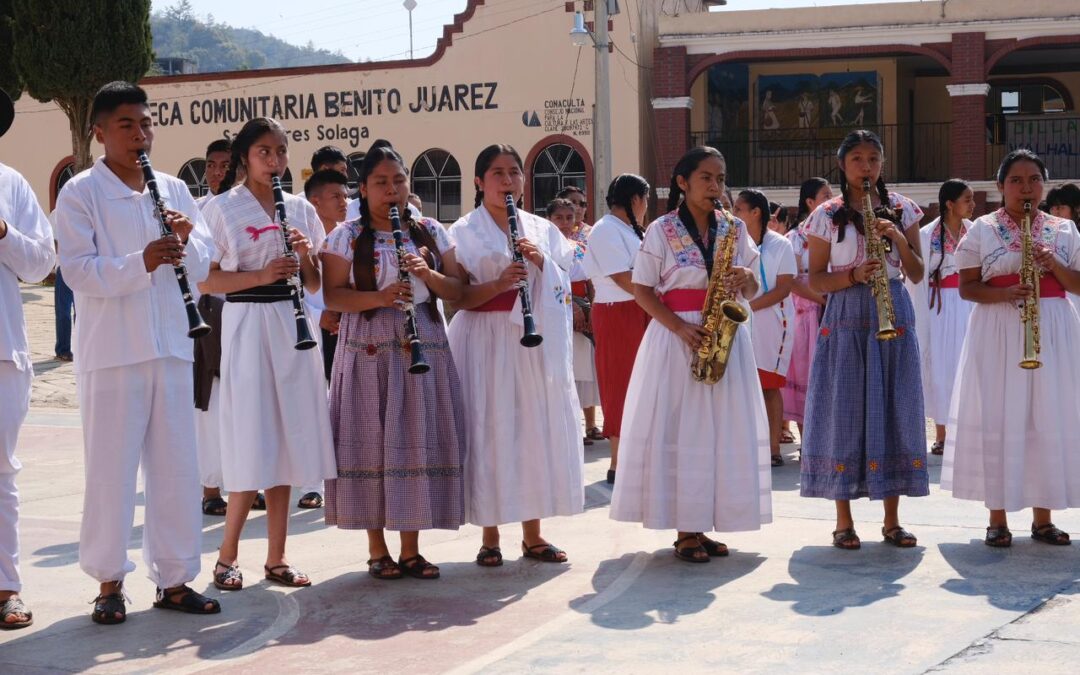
{"x":794,"y":107}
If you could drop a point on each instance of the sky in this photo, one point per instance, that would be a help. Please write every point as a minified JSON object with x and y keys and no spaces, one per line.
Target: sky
{"x":379,"y":29}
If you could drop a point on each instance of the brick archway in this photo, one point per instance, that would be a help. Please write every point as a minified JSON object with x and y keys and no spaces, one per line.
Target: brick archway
{"x":1042,"y":41}
{"x":557,"y":139}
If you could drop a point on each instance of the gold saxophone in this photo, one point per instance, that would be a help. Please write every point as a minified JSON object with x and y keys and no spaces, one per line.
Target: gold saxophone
{"x":721,"y":315}
{"x":879,"y":284}
{"x":1029,"y":310}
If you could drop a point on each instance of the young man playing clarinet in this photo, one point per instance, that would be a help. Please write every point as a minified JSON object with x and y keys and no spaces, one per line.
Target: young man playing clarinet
{"x":26,"y":251}
{"x":135,"y":359}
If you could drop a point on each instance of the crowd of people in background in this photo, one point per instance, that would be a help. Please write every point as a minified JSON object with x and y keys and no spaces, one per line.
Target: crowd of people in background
{"x":492,"y":430}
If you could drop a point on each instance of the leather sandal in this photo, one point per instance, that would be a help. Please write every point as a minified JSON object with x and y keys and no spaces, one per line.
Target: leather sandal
{"x":544,"y":553}
{"x":189,"y":601}
{"x":715,"y":549}
{"x":416,"y":567}
{"x":998,"y":536}
{"x":106,"y":607}
{"x":311,"y":500}
{"x":846,"y":539}
{"x":899,"y":537}
{"x":691,"y":554}
{"x":214,"y":506}
{"x":288,"y":577}
{"x":384,"y":568}
{"x":15,"y":606}
{"x":232,"y":573}
{"x":489,"y":557}
{"x":1049,"y":534}
{"x":937,"y":448}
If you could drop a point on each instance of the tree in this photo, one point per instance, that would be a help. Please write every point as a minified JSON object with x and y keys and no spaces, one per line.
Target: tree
{"x":65,"y":51}
{"x":10,"y":81}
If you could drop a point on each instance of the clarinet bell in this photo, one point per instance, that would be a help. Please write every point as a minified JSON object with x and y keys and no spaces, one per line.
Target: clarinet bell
{"x":418,"y":365}
{"x":531,"y":337}
{"x":197,"y":328}
{"x":304,"y":340}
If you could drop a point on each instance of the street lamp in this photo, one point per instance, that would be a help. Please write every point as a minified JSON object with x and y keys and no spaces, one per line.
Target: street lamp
{"x":580,"y":37}
{"x":409,"y":6}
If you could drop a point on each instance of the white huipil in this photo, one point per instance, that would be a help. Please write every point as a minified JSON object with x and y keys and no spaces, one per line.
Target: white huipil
{"x":525,"y":453}
{"x":133,"y":366}
{"x":693,"y":457}
{"x":940,"y":329}
{"x":275,"y":421}
{"x":774,"y":327}
{"x":26,"y":252}
{"x":1011,"y":437}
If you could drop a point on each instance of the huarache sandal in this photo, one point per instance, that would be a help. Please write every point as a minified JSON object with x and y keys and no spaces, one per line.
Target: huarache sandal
{"x":544,"y":553}
{"x":214,"y":506}
{"x":229,"y":580}
{"x":787,"y":437}
{"x":13,"y":607}
{"x":489,"y":556}
{"x":587,"y":441}
{"x":715,"y":549}
{"x":691,"y":554}
{"x":846,"y":539}
{"x":418,"y":568}
{"x":595,"y":434}
{"x":384,"y":568}
{"x":998,"y":536}
{"x":937,"y":448}
{"x":259,"y":503}
{"x":186,"y":600}
{"x":777,"y":460}
{"x":289,"y":577}
{"x":899,"y":537}
{"x":1049,"y":534}
{"x":312,"y":500}
{"x":106,"y":608}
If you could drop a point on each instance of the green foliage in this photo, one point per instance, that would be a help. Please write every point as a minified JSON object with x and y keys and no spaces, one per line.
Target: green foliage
{"x":10,"y":81}
{"x":216,"y":47}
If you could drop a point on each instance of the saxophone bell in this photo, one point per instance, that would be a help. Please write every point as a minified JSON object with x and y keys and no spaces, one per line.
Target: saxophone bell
{"x":721,"y":314}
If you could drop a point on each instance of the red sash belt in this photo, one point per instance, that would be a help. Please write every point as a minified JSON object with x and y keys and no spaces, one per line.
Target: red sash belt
{"x":684,"y":299}
{"x":951,"y":281}
{"x":579,"y":289}
{"x":503,"y":302}
{"x":1049,"y":286}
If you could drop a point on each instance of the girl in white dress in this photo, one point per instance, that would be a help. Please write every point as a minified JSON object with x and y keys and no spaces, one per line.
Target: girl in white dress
{"x":275,"y":425}
{"x":941,"y":315}
{"x":1064,"y":202}
{"x":694,"y":457}
{"x":524,"y":456}
{"x":773,"y":325}
{"x":1011,"y":439}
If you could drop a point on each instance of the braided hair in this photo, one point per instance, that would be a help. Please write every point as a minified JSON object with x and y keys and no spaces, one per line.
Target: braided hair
{"x":950,"y":191}
{"x":621,"y":193}
{"x":252,"y":131}
{"x":808,"y":192}
{"x":756,"y":199}
{"x":687,"y":165}
{"x":849,"y":212}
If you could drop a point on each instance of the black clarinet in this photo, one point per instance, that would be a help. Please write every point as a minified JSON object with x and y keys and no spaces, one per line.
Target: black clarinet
{"x":531,"y":338}
{"x":412,"y":335}
{"x":196,"y":326}
{"x":304,"y":340}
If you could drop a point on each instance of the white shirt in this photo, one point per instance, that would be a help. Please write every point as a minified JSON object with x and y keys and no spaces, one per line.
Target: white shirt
{"x":26,"y":252}
{"x":126,"y":315}
{"x":612,"y":248}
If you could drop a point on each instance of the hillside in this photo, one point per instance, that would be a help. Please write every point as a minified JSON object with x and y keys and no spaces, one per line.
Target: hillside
{"x":217,"y":47}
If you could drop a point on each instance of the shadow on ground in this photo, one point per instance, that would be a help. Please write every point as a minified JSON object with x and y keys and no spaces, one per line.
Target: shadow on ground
{"x":1014,"y":579}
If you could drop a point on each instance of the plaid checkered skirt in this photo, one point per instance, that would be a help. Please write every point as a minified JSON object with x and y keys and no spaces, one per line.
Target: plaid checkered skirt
{"x":399,"y":438}
{"x":864,"y":432}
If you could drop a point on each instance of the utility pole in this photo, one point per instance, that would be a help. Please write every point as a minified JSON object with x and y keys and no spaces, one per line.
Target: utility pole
{"x":602,"y":124}
{"x":409,"y":6}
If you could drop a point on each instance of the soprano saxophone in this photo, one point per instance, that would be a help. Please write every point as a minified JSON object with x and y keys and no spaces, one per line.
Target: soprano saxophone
{"x":1029,"y":310}
{"x":879,"y":283}
{"x":721,"y":315}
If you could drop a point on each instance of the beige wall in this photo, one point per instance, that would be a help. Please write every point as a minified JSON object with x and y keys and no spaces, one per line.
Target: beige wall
{"x":507,"y":72}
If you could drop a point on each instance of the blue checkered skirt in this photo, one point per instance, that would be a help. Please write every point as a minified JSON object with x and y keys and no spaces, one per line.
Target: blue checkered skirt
{"x":399,"y":438}
{"x":864,"y":432}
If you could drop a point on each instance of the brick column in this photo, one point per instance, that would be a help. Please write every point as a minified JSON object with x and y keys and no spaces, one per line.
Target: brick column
{"x":968,"y":89}
{"x":671,"y":113}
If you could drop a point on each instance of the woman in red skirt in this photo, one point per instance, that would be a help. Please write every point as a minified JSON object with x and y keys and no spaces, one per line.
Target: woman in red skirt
{"x":618,"y":322}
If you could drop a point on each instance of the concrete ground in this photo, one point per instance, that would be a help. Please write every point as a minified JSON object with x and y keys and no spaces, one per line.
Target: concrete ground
{"x":784,"y":598}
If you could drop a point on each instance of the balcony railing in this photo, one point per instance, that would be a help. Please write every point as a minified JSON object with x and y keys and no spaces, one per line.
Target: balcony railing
{"x":776,"y":157}
{"x":1055,"y":138}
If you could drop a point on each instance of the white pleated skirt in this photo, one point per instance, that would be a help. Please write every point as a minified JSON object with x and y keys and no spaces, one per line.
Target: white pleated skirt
{"x":1013,"y":434}
{"x":693,"y":457}
{"x":524,"y":457}
{"x":585,"y":371}
{"x":275,"y":421}
{"x":941,"y":353}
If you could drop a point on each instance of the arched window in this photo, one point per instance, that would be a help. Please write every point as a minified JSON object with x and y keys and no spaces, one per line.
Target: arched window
{"x":193,"y":172}
{"x":355,"y":159}
{"x":557,"y":166}
{"x":64,"y":176}
{"x":436,"y":178}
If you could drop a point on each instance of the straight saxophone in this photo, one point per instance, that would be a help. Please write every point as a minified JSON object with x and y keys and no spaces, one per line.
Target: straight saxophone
{"x":721,"y":315}
{"x":879,"y":283}
{"x":1029,"y":310}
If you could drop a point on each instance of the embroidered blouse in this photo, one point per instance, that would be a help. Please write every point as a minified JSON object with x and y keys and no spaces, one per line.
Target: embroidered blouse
{"x":993,"y":243}
{"x":844,"y":255}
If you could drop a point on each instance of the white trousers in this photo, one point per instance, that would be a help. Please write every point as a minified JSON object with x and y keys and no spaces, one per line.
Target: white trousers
{"x":14,"y":402}
{"x":141,"y":413}
{"x":208,"y":439}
